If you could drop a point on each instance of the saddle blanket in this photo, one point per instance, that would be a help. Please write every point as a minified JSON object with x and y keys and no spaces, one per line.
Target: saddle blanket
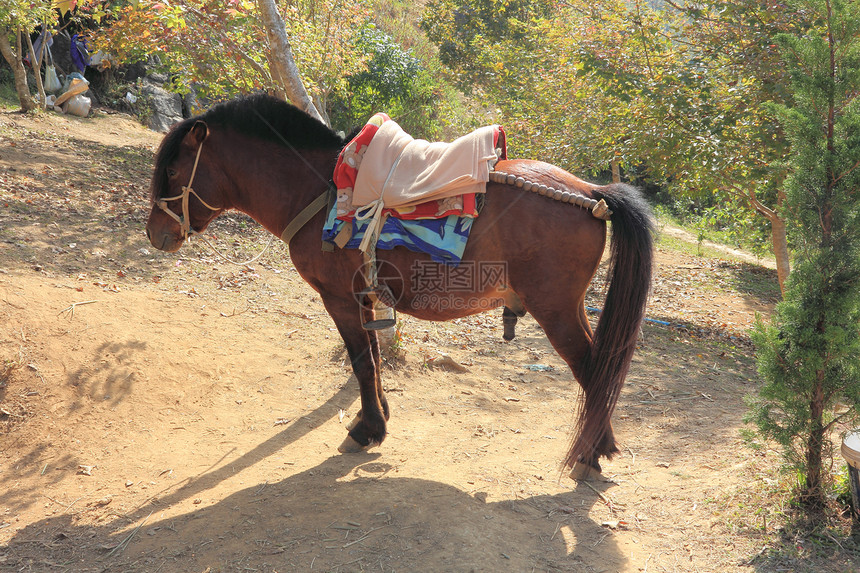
{"x":423,"y":195}
{"x":443,"y":239}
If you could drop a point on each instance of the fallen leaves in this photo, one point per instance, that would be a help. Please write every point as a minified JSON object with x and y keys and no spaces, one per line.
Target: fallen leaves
{"x":107,"y":287}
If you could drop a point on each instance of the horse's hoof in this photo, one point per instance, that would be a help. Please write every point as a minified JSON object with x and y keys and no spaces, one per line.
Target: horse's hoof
{"x":353,"y":423}
{"x":350,"y":446}
{"x":585,"y":472}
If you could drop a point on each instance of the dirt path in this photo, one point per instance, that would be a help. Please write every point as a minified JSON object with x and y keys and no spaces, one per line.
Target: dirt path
{"x":737,"y":254}
{"x":174,"y":413}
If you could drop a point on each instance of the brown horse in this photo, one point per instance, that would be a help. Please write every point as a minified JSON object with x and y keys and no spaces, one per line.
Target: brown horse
{"x":270,"y":160}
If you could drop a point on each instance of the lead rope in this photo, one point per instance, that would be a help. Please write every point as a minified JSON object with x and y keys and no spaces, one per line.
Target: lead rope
{"x":231,"y":261}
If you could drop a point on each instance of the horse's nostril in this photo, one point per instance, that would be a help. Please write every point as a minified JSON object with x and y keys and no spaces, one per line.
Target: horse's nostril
{"x":147,"y":235}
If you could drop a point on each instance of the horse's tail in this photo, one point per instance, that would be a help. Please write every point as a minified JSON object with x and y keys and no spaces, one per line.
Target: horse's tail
{"x":607,"y":361}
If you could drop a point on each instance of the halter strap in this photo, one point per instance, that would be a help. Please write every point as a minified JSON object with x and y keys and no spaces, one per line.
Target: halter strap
{"x":187,"y":190}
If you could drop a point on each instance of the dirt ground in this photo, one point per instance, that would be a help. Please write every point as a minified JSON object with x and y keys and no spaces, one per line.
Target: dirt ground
{"x":176,"y":413}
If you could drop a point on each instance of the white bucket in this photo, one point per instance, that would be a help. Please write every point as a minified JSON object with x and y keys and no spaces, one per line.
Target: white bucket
{"x":851,"y":453}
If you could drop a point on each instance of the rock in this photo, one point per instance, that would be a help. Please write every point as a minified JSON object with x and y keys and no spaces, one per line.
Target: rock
{"x":157,"y":78}
{"x":165,"y":107}
{"x":62,"y":55}
{"x":130,"y":73}
{"x":190,"y":104}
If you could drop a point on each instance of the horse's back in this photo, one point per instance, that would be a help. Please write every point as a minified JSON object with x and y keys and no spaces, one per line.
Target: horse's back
{"x":546,"y":173}
{"x":520,"y":225}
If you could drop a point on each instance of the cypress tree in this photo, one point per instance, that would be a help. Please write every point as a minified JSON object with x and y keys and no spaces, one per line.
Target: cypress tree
{"x":809,"y":356}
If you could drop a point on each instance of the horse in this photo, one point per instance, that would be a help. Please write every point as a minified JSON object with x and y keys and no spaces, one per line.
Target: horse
{"x":272,"y":161}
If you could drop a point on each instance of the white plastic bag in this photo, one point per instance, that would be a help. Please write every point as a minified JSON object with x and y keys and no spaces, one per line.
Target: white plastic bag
{"x":76,"y":87}
{"x":78,"y":105}
{"x":52,"y":83}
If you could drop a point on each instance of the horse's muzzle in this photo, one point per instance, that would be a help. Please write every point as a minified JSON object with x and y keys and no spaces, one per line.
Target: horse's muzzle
{"x":164,"y":240}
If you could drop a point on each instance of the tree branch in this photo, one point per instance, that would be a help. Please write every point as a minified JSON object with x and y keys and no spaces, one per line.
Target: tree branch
{"x":750,"y":196}
{"x":847,"y":172}
{"x":837,"y":419}
{"x":225,"y":39}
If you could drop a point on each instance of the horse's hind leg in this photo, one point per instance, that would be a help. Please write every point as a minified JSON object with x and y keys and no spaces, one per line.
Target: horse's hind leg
{"x":513,"y":309}
{"x":509,"y":321}
{"x":570,"y":334}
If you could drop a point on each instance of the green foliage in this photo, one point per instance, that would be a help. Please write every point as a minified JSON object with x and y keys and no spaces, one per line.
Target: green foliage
{"x":394,"y":81}
{"x":610,"y":81}
{"x":671,"y":91}
{"x":350,"y":68}
{"x":221,"y":47}
{"x":448,"y":114}
{"x":8,"y":96}
{"x":194,"y":41}
{"x":469,"y":33}
{"x":24,"y":14}
{"x":809,"y":357}
{"x":725,"y":219}
{"x":390,"y":71}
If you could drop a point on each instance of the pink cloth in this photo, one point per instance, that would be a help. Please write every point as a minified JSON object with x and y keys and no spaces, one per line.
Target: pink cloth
{"x":403,"y":171}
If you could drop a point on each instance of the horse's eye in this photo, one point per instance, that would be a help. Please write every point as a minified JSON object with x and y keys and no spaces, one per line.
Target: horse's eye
{"x":171,"y":172}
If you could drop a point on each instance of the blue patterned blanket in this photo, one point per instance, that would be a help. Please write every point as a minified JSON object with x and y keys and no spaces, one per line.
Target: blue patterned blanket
{"x":443,"y":239}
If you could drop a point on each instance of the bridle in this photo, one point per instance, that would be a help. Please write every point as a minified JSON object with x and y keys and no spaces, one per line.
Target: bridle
{"x":184,"y":221}
{"x":187,"y":190}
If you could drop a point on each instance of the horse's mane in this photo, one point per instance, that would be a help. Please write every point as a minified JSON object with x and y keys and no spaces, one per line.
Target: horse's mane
{"x":259,"y":116}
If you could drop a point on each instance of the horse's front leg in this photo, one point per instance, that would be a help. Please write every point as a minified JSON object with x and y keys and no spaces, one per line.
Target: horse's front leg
{"x":368,"y":429}
{"x":377,"y":360}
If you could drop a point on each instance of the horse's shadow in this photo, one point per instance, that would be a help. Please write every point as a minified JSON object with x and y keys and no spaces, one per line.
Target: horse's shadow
{"x":349,"y":513}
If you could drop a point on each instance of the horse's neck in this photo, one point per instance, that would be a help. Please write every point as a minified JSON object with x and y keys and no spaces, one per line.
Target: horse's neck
{"x":275,"y":193}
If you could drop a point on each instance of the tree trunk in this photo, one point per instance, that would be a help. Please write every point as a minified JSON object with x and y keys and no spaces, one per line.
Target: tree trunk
{"x":37,"y":70}
{"x":276,"y":77}
{"x":815,"y":448}
{"x":616,"y":171}
{"x":779,"y":241}
{"x":320,"y":105}
{"x":778,"y":237}
{"x":282,"y":56}
{"x":20,"y":73}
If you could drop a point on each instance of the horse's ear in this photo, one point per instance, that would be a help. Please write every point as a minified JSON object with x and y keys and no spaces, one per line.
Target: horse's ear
{"x":199,"y":131}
